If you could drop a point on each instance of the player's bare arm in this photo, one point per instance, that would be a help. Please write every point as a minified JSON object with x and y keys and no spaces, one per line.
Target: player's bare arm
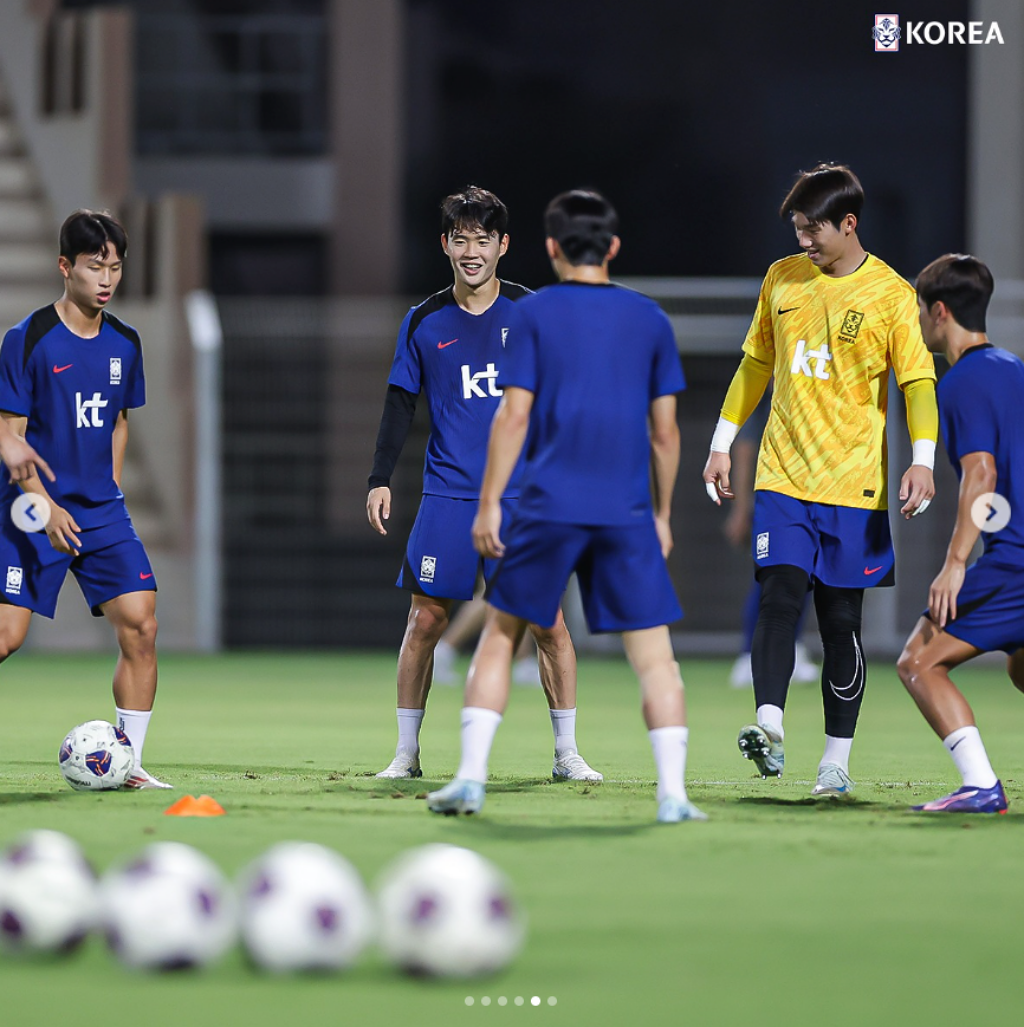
{"x":664,"y":431}
{"x":119,"y":442}
{"x":61,"y":528}
{"x":508,"y":434}
{"x":17,"y":455}
{"x":978,"y":479}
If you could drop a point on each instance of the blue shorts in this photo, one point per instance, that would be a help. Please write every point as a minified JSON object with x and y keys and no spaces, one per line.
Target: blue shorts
{"x":990,"y":608}
{"x":440,"y":560}
{"x":623,"y":577}
{"x":112,"y":562}
{"x":840,"y":546}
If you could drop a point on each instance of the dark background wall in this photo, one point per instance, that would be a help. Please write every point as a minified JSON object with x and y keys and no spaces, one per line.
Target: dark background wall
{"x":694,"y":119}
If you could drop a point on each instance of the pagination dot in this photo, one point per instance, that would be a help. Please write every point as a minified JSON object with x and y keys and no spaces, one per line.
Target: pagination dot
{"x":535,"y":1001}
{"x":485,"y":1001}
{"x":552,"y":1001}
{"x":502,"y":1001}
{"x":519,"y":1000}
{"x":469,"y":1000}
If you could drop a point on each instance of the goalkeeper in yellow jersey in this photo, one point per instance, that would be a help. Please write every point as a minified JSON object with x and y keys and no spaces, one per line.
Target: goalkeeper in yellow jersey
{"x":831,"y":323}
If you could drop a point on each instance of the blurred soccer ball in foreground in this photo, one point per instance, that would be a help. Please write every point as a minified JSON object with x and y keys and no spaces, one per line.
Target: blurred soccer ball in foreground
{"x":170,"y":908}
{"x":48,"y":894}
{"x":96,"y":756}
{"x":447,"y":911}
{"x":303,"y":907}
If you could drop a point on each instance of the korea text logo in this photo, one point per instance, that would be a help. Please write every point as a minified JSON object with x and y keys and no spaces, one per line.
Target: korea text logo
{"x":887,"y":33}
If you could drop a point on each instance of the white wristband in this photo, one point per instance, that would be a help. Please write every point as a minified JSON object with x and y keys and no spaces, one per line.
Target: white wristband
{"x":725,"y":432}
{"x":924,"y":453}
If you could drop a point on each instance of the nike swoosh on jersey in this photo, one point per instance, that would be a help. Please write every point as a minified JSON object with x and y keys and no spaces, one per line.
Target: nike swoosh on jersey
{"x":145,"y":577}
{"x":786,"y":311}
{"x":442,"y":345}
{"x":57,"y":370}
{"x":872,"y":570}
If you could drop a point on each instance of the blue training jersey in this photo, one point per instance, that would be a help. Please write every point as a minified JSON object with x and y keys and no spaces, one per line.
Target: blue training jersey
{"x":980,"y":402}
{"x":71,"y":390}
{"x":454,"y":358}
{"x":595,"y":357}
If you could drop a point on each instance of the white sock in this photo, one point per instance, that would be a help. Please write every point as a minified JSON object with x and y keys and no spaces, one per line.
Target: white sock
{"x":968,"y":752}
{"x":837,"y":750}
{"x":669,"y":745}
{"x":409,"y":722}
{"x":772,"y":716}
{"x":564,"y":724}
{"x":135,"y":724}
{"x":479,"y":726}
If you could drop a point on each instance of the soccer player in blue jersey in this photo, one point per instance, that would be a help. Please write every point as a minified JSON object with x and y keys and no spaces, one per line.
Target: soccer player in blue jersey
{"x":976,"y":609}
{"x":591,"y":378}
{"x":69,"y":373}
{"x":451,"y":348}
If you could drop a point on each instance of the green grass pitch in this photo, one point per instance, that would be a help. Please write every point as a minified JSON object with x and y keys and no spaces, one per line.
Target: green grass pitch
{"x":779,"y":909}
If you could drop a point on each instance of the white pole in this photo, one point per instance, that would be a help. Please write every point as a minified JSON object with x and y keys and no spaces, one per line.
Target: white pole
{"x":207,"y":339}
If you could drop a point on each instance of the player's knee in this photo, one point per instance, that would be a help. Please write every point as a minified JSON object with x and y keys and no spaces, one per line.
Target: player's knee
{"x":138,"y":637}
{"x":783,"y":591}
{"x":427,"y":623}
{"x":9,"y":645}
{"x":908,"y":667}
{"x":839,"y":614}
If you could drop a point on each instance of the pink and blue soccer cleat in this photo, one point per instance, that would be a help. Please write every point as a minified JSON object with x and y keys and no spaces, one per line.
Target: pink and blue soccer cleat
{"x":969,"y":799}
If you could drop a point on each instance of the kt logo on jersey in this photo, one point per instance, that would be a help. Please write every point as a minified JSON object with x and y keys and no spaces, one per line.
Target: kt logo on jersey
{"x":472,"y":384}
{"x":88,"y":410}
{"x":803,"y":357}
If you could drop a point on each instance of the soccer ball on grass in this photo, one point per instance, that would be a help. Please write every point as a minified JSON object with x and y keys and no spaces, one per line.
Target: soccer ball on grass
{"x":96,"y":756}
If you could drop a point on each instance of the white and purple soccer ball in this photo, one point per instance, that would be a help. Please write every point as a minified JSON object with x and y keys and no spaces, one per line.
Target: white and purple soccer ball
{"x":96,"y":756}
{"x":169,"y":908}
{"x":48,"y":894}
{"x":446,"y":911}
{"x":303,"y":908}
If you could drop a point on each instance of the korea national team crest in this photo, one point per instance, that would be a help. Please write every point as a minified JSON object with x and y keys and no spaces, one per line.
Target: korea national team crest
{"x":428,"y":568}
{"x":851,"y":326}
{"x":762,"y":546}
{"x":15,"y":576}
{"x":115,"y":370}
{"x":886,"y":33}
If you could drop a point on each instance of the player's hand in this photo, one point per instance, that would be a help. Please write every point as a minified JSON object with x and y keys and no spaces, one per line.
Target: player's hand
{"x":917,"y":489}
{"x":487,"y":530}
{"x":378,"y":508}
{"x":21,"y":459}
{"x":664,"y":530}
{"x":61,"y":530}
{"x":716,"y":477}
{"x":944,"y":590}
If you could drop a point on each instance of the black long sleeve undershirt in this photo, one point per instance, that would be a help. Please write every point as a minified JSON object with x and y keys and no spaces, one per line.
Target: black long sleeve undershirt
{"x":399,"y":408}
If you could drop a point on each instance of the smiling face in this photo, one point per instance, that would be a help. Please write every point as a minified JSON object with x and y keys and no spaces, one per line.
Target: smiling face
{"x":474,"y":254}
{"x":823,"y":243}
{"x":91,"y":281}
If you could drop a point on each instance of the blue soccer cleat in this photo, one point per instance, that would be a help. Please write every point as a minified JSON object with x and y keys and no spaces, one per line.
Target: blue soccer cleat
{"x":758,"y":742}
{"x":674,"y":811}
{"x":969,"y":799}
{"x":458,"y":796}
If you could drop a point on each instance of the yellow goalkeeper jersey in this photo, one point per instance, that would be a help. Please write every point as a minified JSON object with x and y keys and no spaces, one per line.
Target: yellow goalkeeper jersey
{"x":832,"y":342}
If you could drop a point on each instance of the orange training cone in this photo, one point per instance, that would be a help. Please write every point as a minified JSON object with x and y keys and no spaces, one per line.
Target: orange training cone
{"x":190,"y":806}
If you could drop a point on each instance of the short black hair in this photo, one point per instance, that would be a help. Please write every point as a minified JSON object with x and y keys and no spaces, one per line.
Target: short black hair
{"x":92,"y":231}
{"x":963,"y":283}
{"x":474,"y":208}
{"x":828,"y":192}
{"x":583,"y":223}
